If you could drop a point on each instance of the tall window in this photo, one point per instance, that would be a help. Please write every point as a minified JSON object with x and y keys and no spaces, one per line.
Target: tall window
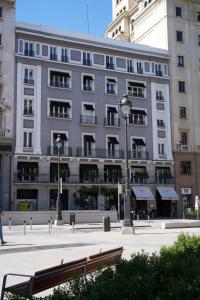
{"x":184,"y":138}
{"x":87,"y":58}
{"x":110,"y":62}
{"x":178,"y":12}
{"x":161,"y":148}
{"x":179,"y":36}
{"x":182,"y":111}
{"x":180,"y":61}
{"x":111,"y":86}
{"x":53,"y":55}
{"x":28,"y":76}
{"x":29,"y":49}
{"x":181,"y":86}
{"x":28,"y":139}
{"x":185,"y":167}
{"x":88,"y":83}
{"x":28,"y":107}
{"x":198,"y":16}
{"x":64,"y":57}
{"x":1,"y":12}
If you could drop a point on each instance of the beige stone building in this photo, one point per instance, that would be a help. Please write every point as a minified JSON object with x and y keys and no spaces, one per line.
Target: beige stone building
{"x":7,"y":56}
{"x":173,"y":25}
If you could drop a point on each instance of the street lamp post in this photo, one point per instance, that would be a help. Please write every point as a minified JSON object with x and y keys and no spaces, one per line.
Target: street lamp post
{"x":59,"y":220}
{"x":125,"y":107}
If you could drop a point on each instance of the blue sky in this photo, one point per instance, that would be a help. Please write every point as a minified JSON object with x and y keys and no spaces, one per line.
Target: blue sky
{"x":67,"y":14}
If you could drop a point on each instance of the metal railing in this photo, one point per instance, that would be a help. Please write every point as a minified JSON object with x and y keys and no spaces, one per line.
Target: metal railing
{"x":5,"y":133}
{"x":29,"y":53}
{"x":134,"y":94}
{"x":29,"y":81}
{"x":90,"y":120}
{"x":87,"y":62}
{"x":110,"y":66}
{"x":53,"y":57}
{"x":136,"y":122}
{"x":78,"y":179}
{"x":99,"y":153}
{"x":59,"y":115}
{"x":139,"y":155}
{"x":87,"y":88}
{"x":64,"y":58}
{"x":112,"y":122}
{"x":60,"y":85}
{"x":64,"y":151}
{"x":28,"y":112}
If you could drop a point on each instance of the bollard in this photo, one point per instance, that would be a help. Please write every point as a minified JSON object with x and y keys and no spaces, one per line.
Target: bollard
{"x":138,"y":217}
{"x":73,"y":227}
{"x":24,"y":227}
{"x":51,"y":220}
{"x":106,"y":223}
{"x":148,"y":219}
{"x":31,"y":223}
{"x":72,"y":218}
{"x":49,"y":227}
{"x":9,"y":222}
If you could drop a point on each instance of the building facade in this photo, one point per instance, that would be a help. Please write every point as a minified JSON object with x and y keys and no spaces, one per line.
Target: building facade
{"x":71,"y":85}
{"x":175,"y":26}
{"x":7,"y":63}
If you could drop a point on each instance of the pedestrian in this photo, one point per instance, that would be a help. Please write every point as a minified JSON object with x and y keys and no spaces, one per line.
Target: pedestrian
{"x":1,"y":229}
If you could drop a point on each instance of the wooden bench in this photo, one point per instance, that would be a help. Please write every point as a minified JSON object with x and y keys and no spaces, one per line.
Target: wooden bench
{"x":51,"y":277}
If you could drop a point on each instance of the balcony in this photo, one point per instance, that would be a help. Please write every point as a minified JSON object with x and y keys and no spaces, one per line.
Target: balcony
{"x":61,"y":115}
{"x":28,"y":112}
{"x":5,"y":139}
{"x":28,"y":81}
{"x":110,"y":66}
{"x":112,"y":122}
{"x":72,"y":179}
{"x":63,"y":85}
{"x":88,"y":120}
{"x":53,"y":57}
{"x":87,"y":88}
{"x":110,"y":91}
{"x":29,"y":53}
{"x":159,"y":73}
{"x":138,"y":155}
{"x":137,"y":122}
{"x":160,"y":98}
{"x":130,"y":69}
{"x":136,"y":95}
{"x":64,"y":151}
{"x":163,"y":180}
{"x":140,"y":70}
{"x":87,"y":62}
{"x":64,"y":59}
{"x":99,"y":153}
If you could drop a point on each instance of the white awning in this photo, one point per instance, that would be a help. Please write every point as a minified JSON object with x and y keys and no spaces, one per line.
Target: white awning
{"x":142,"y":193}
{"x":167,"y":193}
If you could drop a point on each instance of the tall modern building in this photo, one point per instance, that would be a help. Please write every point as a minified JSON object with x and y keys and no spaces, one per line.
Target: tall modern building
{"x":7,"y":63}
{"x":71,"y":84}
{"x":173,"y":25}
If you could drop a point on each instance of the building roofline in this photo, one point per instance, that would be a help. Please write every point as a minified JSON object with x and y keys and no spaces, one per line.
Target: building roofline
{"x":91,"y":40}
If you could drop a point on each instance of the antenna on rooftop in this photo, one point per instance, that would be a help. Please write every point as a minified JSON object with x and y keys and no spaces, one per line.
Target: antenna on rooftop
{"x":88,"y":3}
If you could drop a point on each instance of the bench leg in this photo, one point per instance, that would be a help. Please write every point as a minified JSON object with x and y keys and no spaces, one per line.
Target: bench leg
{"x":3,"y":287}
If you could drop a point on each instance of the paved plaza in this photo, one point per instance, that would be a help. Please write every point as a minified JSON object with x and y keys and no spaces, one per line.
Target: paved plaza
{"x":38,"y":249}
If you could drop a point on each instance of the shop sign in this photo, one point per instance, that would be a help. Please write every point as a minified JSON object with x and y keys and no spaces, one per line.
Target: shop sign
{"x":186,"y":191}
{"x":26,"y":204}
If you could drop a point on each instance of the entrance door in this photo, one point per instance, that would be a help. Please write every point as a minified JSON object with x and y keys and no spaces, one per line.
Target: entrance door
{"x":63,"y":197}
{"x":163,"y":207}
